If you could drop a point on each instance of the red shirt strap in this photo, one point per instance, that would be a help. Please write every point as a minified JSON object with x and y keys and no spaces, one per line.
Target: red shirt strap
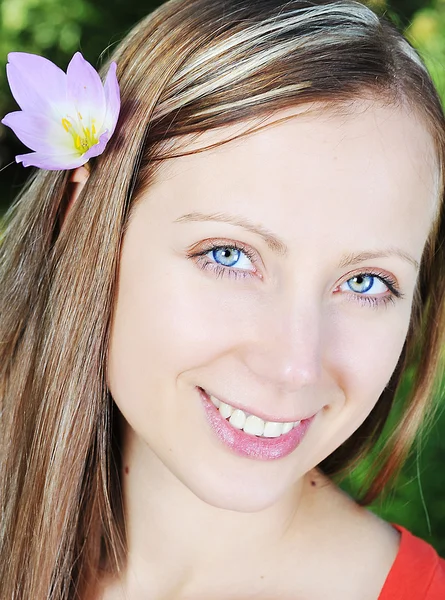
{"x":418,"y":573}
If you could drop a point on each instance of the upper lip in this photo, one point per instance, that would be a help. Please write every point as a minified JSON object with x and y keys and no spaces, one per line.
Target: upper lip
{"x":255,"y":411}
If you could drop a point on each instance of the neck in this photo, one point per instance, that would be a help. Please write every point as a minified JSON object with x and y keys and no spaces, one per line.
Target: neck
{"x":177,"y":540}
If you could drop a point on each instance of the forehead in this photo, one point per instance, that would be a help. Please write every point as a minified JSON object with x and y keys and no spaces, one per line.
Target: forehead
{"x":368,"y":161}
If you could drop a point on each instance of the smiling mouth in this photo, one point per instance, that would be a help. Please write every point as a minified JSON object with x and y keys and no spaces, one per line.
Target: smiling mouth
{"x":249,"y":423}
{"x":249,"y":435}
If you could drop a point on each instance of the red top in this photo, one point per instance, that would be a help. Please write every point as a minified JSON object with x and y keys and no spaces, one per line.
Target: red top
{"x":418,"y":573}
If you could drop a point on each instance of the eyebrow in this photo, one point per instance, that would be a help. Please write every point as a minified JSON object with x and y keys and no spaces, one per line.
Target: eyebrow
{"x":274,"y":242}
{"x":279,"y":247}
{"x":352,"y":259}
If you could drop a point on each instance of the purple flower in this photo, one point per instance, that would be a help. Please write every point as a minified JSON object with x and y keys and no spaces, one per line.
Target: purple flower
{"x":65,"y":118}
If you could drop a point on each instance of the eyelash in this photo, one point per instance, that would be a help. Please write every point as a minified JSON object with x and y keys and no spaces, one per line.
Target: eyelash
{"x":221,"y":271}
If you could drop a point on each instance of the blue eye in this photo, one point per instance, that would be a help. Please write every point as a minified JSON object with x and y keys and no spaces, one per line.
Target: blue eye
{"x":371,"y":288}
{"x":226,"y":256}
{"x":364,"y":282}
{"x":234,"y":260}
{"x":227,"y":260}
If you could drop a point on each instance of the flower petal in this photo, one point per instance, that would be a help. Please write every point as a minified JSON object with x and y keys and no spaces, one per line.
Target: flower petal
{"x":86,"y":91}
{"x":51,"y":162}
{"x":113,"y":101}
{"x":36,"y":83}
{"x":39,"y":133}
{"x":99,"y":147}
{"x":57,"y":162}
{"x":61,"y":114}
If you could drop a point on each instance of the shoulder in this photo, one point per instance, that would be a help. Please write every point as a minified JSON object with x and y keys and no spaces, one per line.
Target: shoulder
{"x":356,"y":549}
{"x":400,"y":565}
{"x":418,"y":572}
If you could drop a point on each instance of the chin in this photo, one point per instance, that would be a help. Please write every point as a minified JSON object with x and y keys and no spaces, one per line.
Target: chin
{"x":247,"y":491}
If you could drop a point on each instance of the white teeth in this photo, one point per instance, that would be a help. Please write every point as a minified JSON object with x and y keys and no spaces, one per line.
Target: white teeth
{"x":288,"y":426}
{"x":254,"y":425}
{"x":225,"y":410}
{"x":250,"y":423}
{"x":237,"y":419}
{"x":272,"y":429}
{"x":215,"y":401}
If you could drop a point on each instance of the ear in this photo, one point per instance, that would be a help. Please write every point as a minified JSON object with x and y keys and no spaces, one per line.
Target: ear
{"x":78,"y":178}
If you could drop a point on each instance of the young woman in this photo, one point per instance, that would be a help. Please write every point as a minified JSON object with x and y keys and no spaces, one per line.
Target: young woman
{"x":209,"y":320}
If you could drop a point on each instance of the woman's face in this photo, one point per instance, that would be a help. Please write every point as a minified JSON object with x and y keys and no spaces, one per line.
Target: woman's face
{"x":277,"y":274}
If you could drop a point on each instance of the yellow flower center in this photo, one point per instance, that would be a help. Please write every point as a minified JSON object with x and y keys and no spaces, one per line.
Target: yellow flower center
{"x":84,"y":137}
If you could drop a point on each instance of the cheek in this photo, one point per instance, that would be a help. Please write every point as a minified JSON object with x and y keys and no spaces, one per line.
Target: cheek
{"x":167,"y":320}
{"x":361,"y":354}
{"x":364,"y":353}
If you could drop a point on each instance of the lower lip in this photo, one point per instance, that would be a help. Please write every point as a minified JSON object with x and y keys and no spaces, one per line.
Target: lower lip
{"x":248,"y":445}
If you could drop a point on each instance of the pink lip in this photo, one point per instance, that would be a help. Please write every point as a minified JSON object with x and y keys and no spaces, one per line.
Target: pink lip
{"x":252,"y":446}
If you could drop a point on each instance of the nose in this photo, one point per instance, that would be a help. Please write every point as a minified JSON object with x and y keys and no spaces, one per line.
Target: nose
{"x":286,"y":347}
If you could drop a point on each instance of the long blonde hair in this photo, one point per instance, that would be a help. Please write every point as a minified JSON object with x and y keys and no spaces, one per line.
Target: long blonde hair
{"x":190,"y":66}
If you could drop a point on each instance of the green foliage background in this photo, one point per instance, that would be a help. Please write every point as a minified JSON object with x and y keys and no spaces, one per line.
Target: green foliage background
{"x":57,"y":29}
